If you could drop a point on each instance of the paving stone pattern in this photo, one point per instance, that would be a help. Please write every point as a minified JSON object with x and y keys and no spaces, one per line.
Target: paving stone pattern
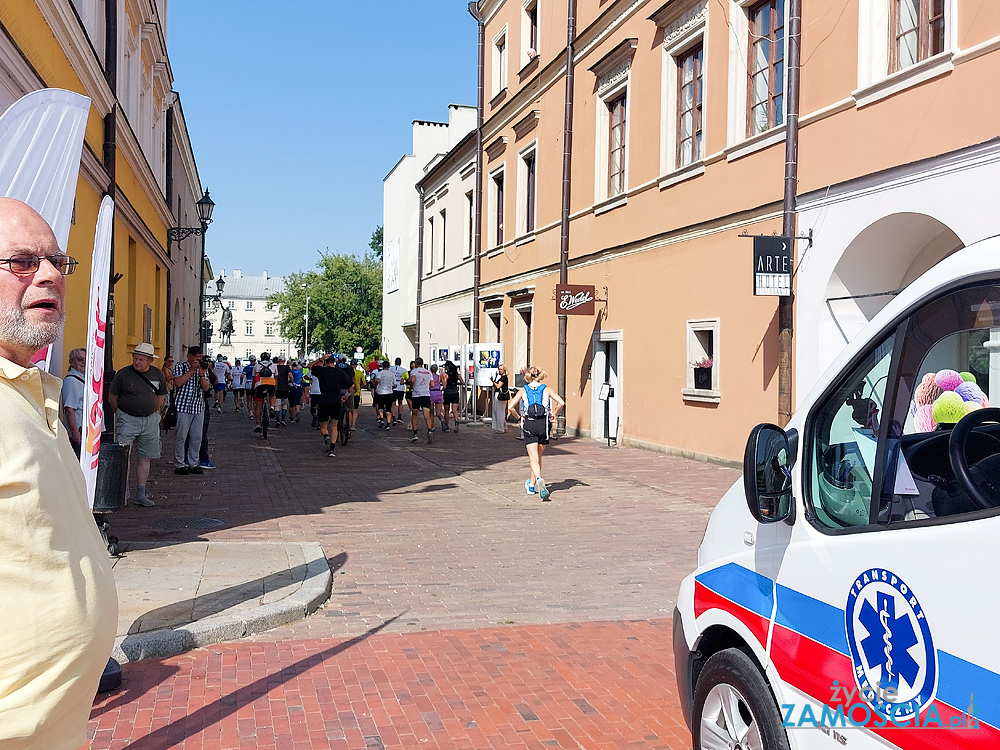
{"x":463,"y":613}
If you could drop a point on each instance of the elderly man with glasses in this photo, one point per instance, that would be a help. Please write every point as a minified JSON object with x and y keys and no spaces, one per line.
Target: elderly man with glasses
{"x":61,"y":608}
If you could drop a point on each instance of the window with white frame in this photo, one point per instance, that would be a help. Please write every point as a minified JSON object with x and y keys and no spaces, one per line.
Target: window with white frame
{"x":529,"y":31}
{"x":443,"y":232}
{"x":248,"y":353}
{"x":612,"y":73}
{"x":526,"y":189}
{"x":249,"y":328}
{"x":429,"y":246}
{"x":702,"y":378}
{"x":895,"y":37}
{"x":766,"y":66}
{"x":269,"y":329}
{"x":496,"y":207}
{"x":500,"y":62}
{"x":232,"y":304}
{"x":683,"y":113}
{"x":249,"y":304}
{"x":470,"y":222}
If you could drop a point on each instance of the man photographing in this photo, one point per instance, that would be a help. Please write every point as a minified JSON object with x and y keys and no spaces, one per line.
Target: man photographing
{"x":61,"y":607}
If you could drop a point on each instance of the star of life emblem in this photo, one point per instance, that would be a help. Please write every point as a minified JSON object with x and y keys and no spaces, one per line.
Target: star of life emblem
{"x":894,"y":659}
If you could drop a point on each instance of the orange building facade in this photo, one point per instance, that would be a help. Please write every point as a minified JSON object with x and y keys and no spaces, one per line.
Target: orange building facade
{"x":678,"y":147}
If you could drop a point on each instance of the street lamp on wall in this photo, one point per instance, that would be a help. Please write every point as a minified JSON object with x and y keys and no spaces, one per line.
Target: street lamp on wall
{"x":205,"y":206}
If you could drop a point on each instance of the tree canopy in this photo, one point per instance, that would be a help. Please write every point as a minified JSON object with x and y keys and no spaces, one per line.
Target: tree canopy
{"x":345,"y":304}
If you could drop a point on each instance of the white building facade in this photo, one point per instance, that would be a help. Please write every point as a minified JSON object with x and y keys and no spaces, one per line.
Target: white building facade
{"x":401,"y":226}
{"x":255,"y":320}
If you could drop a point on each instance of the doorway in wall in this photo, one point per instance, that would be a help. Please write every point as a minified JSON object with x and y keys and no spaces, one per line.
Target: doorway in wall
{"x":606,"y":386}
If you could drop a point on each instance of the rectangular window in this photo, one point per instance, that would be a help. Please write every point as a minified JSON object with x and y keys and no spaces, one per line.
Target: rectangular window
{"x":529,"y":31}
{"x":500,"y":62}
{"x":232,"y":304}
{"x":269,"y":329}
{"x":443,"y":231}
{"x":689,"y":106}
{"x":471,"y":220}
{"x":429,"y":247}
{"x":147,"y":323}
{"x":249,"y":327}
{"x":616,"y":146}
{"x":918,"y":31}
{"x":248,"y":353}
{"x":498,"y":208}
{"x":528,"y":160}
{"x":766,"y":89}
{"x":249,"y":304}
{"x":702,"y":377}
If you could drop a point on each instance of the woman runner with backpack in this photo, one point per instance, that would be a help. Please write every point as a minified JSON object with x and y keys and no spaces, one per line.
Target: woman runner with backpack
{"x":541,"y":407}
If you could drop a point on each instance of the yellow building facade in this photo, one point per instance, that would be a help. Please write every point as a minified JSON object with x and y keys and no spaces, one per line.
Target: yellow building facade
{"x":121,"y":64}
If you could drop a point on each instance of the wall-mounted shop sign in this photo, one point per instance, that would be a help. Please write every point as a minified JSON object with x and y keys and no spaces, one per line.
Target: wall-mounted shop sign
{"x":574,"y":299}
{"x":772,"y":266}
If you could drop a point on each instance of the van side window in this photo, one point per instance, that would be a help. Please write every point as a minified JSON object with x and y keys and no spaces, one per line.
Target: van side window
{"x":844,"y":436}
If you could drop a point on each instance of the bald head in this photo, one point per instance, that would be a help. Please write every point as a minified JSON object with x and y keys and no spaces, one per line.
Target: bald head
{"x":31,"y":304}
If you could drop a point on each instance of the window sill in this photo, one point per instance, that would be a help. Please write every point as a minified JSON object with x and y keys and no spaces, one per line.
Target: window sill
{"x":704,"y":396}
{"x":901,"y":80}
{"x":756,"y":143}
{"x":524,"y":239}
{"x":494,"y":252}
{"x":610,"y":204}
{"x":500,"y":96}
{"x":687,"y":172}
{"x":528,"y":68}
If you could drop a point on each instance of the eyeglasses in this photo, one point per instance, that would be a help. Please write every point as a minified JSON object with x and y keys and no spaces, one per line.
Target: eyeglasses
{"x":22,"y":265}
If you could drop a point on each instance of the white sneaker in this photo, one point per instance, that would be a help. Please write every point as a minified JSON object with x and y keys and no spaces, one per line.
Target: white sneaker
{"x":541,"y":489}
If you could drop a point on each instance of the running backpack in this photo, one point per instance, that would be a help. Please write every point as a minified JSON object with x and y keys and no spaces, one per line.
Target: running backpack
{"x":536,"y":406}
{"x":265,"y":372}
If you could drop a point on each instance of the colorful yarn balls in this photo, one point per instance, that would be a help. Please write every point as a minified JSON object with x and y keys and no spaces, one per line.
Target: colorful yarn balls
{"x":948,"y":380}
{"x":968,"y":377}
{"x":927,"y":391}
{"x":948,"y":408}
{"x":971,"y":406}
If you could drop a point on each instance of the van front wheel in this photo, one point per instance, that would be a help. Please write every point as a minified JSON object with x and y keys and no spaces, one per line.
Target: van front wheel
{"x":733,"y":706}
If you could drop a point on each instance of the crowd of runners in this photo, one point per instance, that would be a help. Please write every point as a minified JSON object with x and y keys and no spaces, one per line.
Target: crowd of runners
{"x":274,"y":392}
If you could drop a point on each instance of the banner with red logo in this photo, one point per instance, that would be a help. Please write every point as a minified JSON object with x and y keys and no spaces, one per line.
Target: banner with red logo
{"x":93,"y":397}
{"x":574,"y":299}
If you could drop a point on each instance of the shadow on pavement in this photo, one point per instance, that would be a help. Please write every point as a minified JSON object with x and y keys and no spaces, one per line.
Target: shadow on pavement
{"x":192,"y":724}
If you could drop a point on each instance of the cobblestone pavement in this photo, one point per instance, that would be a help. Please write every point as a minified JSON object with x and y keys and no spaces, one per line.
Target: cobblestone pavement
{"x":464,"y":613}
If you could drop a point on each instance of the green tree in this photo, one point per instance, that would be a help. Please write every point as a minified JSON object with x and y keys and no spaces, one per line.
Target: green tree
{"x":345,"y":304}
{"x":376,"y":244}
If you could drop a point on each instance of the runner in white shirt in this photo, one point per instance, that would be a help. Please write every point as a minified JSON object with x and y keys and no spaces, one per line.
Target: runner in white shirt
{"x":420,"y":382}
{"x":399,"y":390}
{"x":314,"y":401}
{"x":238,"y":384}
{"x":222,"y":369}
{"x":385,"y":382}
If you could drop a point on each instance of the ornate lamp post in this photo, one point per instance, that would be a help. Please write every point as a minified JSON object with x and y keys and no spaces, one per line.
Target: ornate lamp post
{"x":205,"y":206}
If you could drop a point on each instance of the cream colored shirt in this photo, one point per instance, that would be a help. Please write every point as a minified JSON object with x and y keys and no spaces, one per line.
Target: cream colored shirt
{"x":58,"y":603}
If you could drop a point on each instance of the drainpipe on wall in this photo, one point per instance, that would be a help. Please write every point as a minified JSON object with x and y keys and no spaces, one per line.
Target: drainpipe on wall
{"x":477,"y":218}
{"x":109,"y":159}
{"x":170,"y":200}
{"x":420,"y":267}
{"x":788,"y":223}
{"x":566,"y":192}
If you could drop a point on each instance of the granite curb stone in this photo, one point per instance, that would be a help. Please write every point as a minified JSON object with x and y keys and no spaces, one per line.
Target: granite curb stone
{"x":311,"y":593}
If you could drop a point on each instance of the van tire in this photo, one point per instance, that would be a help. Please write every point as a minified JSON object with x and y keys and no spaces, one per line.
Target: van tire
{"x":731,"y":676}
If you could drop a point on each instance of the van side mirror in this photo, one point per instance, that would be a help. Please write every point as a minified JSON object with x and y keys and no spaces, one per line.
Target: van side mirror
{"x":767,"y":476}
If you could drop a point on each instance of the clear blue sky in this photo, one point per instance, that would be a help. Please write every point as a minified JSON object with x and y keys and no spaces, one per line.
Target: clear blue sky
{"x":297,"y":110}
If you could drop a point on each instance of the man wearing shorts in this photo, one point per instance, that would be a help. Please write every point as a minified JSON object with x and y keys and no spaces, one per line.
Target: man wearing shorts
{"x":222,"y":376}
{"x":359,"y":384}
{"x":399,"y":390}
{"x":294,"y":392}
{"x":384,"y":382}
{"x":237,"y":385}
{"x":248,"y":382}
{"x":136,"y":395}
{"x":420,"y":382}
{"x":281,"y":394}
{"x":265,"y":383}
{"x":336,"y":385}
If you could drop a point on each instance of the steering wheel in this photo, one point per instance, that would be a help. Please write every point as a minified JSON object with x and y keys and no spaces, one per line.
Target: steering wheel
{"x":980,"y":481}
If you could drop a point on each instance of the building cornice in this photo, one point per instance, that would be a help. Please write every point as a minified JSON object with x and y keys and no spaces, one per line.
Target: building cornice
{"x":73,"y":41}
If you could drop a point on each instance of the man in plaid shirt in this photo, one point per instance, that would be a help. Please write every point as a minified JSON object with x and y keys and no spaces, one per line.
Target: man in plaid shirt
{"x":190,"y":380}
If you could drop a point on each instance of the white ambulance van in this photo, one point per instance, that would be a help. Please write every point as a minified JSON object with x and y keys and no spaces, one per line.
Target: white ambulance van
{"x":848,"y":588}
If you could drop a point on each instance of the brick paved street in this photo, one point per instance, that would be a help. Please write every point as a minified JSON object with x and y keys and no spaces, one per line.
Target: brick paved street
{"x":463,"y":613}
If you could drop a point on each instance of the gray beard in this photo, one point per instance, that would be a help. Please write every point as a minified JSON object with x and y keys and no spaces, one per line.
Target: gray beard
{"x":14,"y":329}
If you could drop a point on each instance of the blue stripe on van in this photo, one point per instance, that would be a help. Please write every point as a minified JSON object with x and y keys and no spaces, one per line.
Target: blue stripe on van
{"x":961,"y":681}
{"x":740,"y":585}
{"x":812,"y":618}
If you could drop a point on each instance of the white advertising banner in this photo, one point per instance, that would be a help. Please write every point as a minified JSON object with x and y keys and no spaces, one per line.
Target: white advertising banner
{"x":93,"y":397}
{"x":487,"y":359}
{"x":41,"y":140}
